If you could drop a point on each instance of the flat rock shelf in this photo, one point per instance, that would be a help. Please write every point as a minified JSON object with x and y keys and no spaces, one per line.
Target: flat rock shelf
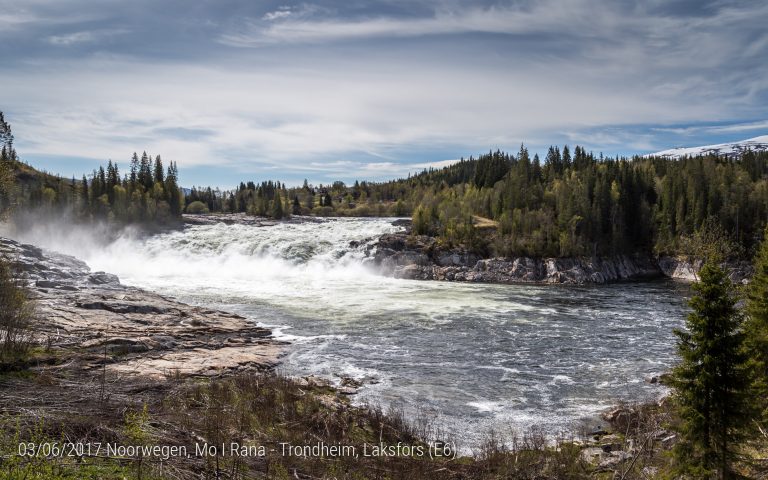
{"x":141,"y":333}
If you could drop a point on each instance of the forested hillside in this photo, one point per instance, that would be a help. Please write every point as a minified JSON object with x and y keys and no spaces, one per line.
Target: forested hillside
{"x":148,"y":193}
{"x":582,"y":205}
{"x":569,"y":203}
{"x":564,"y":205}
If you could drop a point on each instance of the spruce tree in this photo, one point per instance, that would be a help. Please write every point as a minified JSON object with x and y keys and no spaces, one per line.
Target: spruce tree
{"x":134,"y":169}
{"x":145,"y":172}
{"x":310,"y":199}
{"x":756,"y":327}
{"x":711,"y":382}
{"x":86,"y":198}
{"x":158,"y":174}
{"x":277,"y":207}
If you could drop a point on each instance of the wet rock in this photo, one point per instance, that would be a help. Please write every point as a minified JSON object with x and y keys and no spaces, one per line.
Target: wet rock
{"x":393,"y":242}
{"x":402,"y":222}
{"x":119,"y":307}
{"x":103,"y":278}
{"x":413,"y":272}
{"x":118,"y":346}
{"x":55,"y":284}
{"x":360,"y":243}
{"x":313,"y":381}
{"x":350,"y":382}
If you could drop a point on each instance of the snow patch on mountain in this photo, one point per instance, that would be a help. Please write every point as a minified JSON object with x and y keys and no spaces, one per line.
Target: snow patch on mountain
{"x":757,"y":144}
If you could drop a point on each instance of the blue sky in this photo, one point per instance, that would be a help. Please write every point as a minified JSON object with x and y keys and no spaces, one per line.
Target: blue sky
{"x":235,"y":90}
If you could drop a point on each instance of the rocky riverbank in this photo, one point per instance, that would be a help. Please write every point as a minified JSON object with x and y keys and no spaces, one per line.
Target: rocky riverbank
{"x":118,"y":364}
{"x":421,"y":258}
{"x":138,"y":332}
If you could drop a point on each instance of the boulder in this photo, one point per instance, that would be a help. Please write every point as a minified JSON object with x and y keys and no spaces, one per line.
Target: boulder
{"x":392,"y":241}
{"x":411,"y":272}
{"x":103,"y":278}
{"x":350,"y":382}
{"x":593,"y":455}
{"x":614,"y":460}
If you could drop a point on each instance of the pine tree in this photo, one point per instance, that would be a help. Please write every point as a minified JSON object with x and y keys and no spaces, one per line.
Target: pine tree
{"x":145,"y":172}
{"x":711,"y":382}
{"x":277,"y":207}
{"x":86,"y":198}
{"x":310,"y":199}
{"x":102,"y":181}
{"x":134,"y":170}
{"x":158,"y":170}
{"x":756,"y":327}
{"x":296,"y":205}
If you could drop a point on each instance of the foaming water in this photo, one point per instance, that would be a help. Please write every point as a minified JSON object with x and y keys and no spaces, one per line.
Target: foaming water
{"x":476,"y":356}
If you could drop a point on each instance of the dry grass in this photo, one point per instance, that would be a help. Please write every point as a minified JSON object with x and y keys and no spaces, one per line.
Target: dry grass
{"x":63,"y":403}
{"x":484,"y":223}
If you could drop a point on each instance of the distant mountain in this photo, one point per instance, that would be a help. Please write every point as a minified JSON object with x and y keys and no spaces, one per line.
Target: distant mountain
{"x":757,"y":144}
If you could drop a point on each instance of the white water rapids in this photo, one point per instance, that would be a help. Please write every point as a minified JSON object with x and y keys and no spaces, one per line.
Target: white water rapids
{"x":475,"y":356}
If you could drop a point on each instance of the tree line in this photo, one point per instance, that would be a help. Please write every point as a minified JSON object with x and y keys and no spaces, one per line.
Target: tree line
{"x":277,"y":200}
{"x":570,"y":203}
{"x":147,"y":193}
{"x":581,"y":204}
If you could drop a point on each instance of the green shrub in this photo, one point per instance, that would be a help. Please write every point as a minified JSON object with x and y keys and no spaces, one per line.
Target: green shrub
{"x":16,"y":315}
{"x":197,"y":207}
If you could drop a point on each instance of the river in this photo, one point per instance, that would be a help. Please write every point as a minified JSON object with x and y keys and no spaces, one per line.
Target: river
{"x":469,"y":356}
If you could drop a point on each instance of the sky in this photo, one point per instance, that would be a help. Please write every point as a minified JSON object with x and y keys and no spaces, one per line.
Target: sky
{"x":346,"y":89}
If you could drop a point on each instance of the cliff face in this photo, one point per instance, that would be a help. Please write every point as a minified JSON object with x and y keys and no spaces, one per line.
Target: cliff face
{"x":683,"y":268}
{"x":419,"y":257}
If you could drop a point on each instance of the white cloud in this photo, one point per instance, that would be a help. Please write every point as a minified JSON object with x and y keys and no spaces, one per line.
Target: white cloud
{"x":11,"y":20}
{"x":741,"y":127}
{"x":71,"y":38}
{"x":282,"y":12}
{"x":306,"y":29}
{"x":315,"y":97}
{"x":286,"y":117}
{"x":715,"y":129}
{"x":87,"y":36}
